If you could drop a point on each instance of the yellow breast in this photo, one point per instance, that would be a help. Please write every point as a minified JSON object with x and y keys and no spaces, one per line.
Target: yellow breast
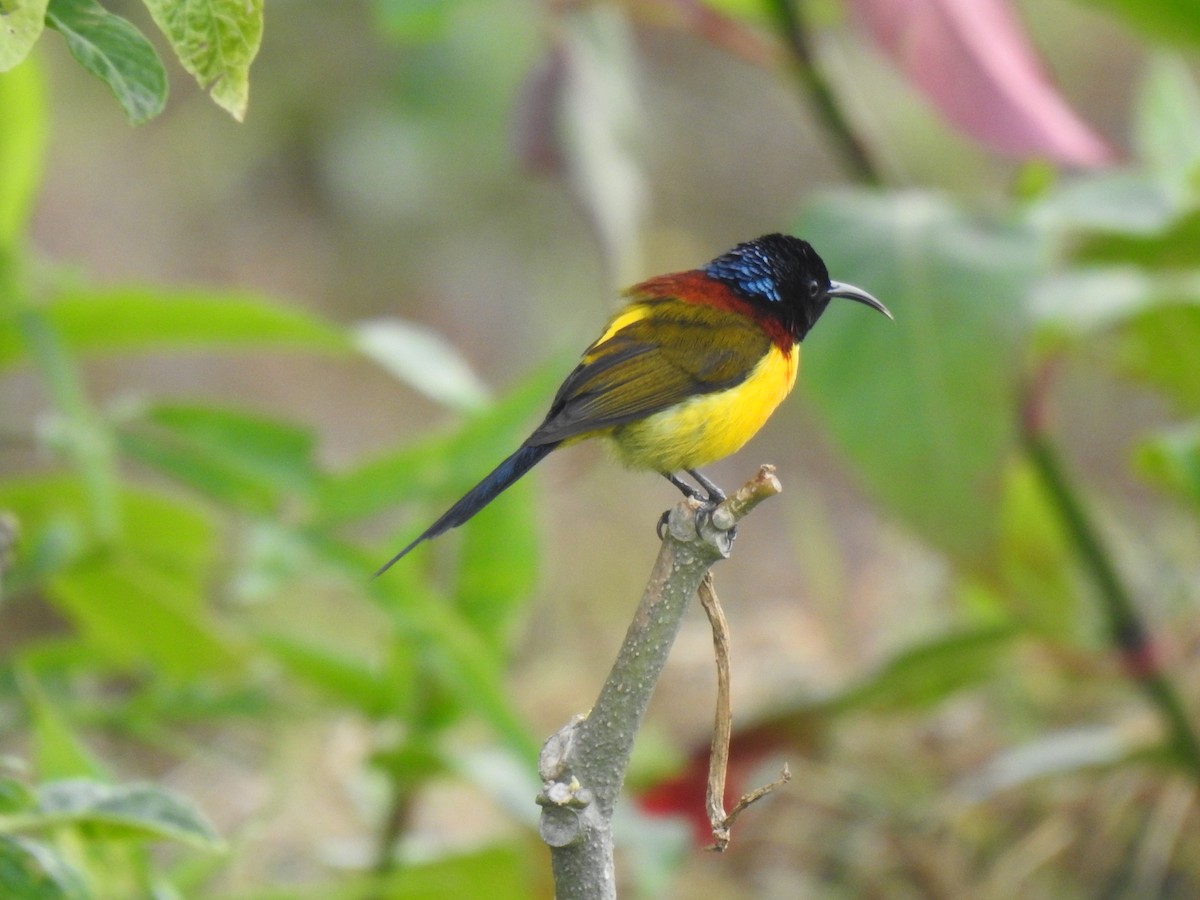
{"x":708,"y":427}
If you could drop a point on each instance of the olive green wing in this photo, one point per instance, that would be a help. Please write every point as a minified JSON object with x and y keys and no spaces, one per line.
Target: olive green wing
{"x":678,"y":350}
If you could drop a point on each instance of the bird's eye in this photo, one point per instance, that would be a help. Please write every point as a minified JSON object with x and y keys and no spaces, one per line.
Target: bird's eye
{"x":814,"y":290}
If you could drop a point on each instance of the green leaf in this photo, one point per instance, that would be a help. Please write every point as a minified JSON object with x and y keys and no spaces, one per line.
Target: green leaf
{"x":1035,"y":560}
{"x":272,"y":554}
{"x":79,"y":433}
{"x":1172,"y":461}
{"x":1167,"y":129}
{"x":423,"y":359}
{"x":22,"y":110}
{"x":134,"y":811}
{"x":140,"y":597}
{"x":1078,"y":302}
{"x":161,"y":705}
{"x":1173,"y":247}
{"x":240,"y":458}
{"x":463,"y":661}
{"x":167,"y":534}
{"x":345,"y":678}
{"x":923,"y":408}
{"x":21,"y":23}
{"x":413,"y":761}
{"x":15,"y":795}
{"x":140,"y":615}
{"x":1150,"y":319}
{"x":189,"y":465}
{"x":1158,"y":346}
{"x":216,"y":41}
{"x":415,"y":20}
{"x":126,"y":320}
{"x":498,"y":873}
{"x":57,"y":751}
{"x":442,"y":468}
{"x":30,"y":869}
{"x":498,"y":564}
{"x":1173,"y":21}
{"x":114,"y":51}
{"x":928,"y":673}
{"x":756,"y":12}
{"x":476,"y":679}
{"x":1122,"y":201}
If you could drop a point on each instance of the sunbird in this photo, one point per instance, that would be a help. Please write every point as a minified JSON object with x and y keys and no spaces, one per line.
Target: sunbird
{"x":685,"y":373}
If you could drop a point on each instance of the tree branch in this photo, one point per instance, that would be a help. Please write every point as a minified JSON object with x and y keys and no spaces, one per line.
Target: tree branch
{"x":583,"y":765}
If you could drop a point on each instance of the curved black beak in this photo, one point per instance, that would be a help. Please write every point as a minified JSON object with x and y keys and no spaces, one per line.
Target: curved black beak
{"x":850,"y":292}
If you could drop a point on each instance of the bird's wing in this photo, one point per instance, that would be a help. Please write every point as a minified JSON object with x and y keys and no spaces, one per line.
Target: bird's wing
{"x":675,"y":351}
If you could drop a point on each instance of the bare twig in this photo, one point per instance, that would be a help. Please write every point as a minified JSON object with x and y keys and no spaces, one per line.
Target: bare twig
{"x":747,"y":800}
{"x":718,"y":759}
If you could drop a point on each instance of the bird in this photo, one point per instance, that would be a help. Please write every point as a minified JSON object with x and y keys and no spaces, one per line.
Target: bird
{"x":685,"y":373}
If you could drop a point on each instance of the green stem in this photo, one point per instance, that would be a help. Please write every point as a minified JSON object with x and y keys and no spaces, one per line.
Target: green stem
{"x":395,"y":825}
{"x":794,"y":31}
{"x":86,"y":440}
{"x":1124,"y":622}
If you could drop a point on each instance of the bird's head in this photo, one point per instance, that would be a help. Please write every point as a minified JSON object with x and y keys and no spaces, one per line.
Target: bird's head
{"x":783,"y":276}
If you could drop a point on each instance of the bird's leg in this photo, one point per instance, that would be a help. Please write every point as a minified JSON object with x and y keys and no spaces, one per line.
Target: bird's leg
{"x":715,"y":494}
{"x":688,"y":491}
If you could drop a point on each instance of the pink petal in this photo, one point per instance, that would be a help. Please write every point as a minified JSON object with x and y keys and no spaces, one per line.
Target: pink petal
{"x":972,"y":59}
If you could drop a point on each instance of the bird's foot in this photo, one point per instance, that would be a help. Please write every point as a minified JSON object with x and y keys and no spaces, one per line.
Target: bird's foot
{"x":703,"y":522}
{"x":709,"y":499}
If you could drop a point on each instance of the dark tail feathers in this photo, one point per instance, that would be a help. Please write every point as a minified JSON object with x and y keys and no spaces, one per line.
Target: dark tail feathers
{"x":479,"y":496}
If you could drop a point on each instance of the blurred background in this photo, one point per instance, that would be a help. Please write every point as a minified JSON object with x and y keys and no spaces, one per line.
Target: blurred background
{"x":241,"y":363}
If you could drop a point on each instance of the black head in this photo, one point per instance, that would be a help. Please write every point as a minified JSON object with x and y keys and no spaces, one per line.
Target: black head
{"x":784,"y":277}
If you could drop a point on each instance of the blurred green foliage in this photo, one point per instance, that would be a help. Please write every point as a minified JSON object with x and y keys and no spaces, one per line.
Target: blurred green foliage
{"x":152,"y":529}
{"x":130,"y":564}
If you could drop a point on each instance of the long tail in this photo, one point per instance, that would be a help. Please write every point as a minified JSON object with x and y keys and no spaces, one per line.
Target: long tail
{"x":479,"y":496}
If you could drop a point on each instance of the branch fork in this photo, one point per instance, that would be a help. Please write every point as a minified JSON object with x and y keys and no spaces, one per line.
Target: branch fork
{"x":583,"y":764}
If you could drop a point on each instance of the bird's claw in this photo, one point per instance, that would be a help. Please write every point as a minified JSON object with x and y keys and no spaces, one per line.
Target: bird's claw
{"x":709,"y":498}
{"x":703,"y":521}
{"x":661,"y":528}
